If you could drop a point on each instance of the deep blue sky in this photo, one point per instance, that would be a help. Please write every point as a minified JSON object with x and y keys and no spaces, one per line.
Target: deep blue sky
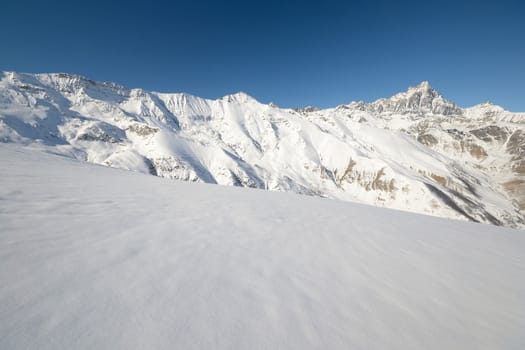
{"x":293,"y":53}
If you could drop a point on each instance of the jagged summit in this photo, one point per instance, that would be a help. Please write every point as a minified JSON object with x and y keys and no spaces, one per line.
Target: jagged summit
{"x":67,"y":79}
{"x":307,"y":109}
{"x":423,"y":86}
{"x":65,"y":82}
{"x":420,"y":99}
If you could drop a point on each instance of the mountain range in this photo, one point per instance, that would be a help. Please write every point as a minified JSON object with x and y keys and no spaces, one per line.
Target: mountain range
{"x":415,"y":151}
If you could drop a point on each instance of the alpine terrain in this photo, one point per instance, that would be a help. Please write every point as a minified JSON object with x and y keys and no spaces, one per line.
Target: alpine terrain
{"x":100,"y":258}
{"x":414,"y":151}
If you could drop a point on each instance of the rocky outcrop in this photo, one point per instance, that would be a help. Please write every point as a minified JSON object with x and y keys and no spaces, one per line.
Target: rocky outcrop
{"x":421,"y":99}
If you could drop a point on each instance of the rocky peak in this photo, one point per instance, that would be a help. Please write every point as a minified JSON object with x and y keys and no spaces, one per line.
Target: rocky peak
{"x":307,"y":109}
{"x":422,"y":99}
{"x":72,"y":83}
{"x":424,"y":86}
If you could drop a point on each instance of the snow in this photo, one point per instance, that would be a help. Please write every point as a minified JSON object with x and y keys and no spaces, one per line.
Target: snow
{"x":94,"y":257}
{"x":238,"y":141}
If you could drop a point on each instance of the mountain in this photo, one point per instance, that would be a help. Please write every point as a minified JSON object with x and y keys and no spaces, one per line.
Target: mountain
{"x":100,"y":258}
{"x":414,"y":151}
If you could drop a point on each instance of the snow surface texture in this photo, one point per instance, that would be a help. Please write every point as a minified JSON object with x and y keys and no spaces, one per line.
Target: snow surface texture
{"x":100,"y":258}
{"x":415,"y":151}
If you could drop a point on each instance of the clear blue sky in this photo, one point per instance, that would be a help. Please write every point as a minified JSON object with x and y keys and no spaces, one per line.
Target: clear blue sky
{"x":293,"y":53}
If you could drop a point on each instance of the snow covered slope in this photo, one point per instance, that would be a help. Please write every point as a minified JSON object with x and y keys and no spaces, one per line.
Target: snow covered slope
{"x":100,"y":258}
{"x":415,"y":151}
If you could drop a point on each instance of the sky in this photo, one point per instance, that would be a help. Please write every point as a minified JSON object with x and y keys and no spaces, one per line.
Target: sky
{"x":292,"y":53}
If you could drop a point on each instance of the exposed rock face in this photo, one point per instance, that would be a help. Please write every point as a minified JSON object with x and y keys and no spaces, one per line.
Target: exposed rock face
{"x":517,"y":189}
{"x":491,"y":133}
{"x":516,"y":148}
{"x":488,"y":137}
{"x":142,"y":129}
{"x":304,"y":110}
{"x":516,"y":145}
{"x":414,"y":151}
{"x":421,"y":99}
{"x":427,"y":139}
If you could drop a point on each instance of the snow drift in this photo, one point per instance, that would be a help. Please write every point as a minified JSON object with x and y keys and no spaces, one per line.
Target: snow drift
{"x":94,"y":257}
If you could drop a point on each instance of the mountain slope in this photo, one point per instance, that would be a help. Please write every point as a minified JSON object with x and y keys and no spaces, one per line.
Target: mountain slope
{"x":101,"y":258}
{"x":415,"y":151}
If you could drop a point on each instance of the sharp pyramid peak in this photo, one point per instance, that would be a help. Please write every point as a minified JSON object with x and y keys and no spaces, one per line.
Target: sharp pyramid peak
{"x":421,"y":98}
{"x":424,"y":86}
{"x":423,"y":89}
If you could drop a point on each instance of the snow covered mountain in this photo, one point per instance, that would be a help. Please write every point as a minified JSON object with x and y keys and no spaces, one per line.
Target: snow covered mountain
{"x":100,"y":258}
{"x":415,"y":151}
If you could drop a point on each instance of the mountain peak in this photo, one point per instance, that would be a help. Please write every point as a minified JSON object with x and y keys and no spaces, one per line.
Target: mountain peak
{"x":423,"y":88}
{"x":422,"y":99}
{"x":240,"y":96}
{"x":424,"y":85}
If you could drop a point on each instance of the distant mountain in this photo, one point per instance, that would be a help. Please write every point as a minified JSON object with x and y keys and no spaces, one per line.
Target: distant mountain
{"x":414,"y":151}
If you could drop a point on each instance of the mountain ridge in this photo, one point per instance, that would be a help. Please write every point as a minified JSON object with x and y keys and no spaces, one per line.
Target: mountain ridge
{"x":420,"y":87}
{"x":414,"y":151}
